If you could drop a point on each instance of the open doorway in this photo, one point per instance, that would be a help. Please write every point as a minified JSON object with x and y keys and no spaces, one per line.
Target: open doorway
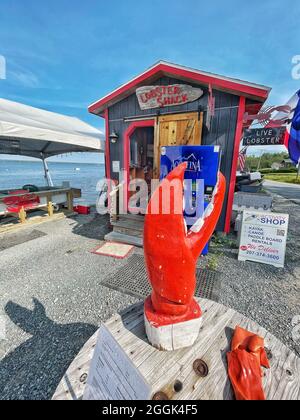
{"x":141,"y":155}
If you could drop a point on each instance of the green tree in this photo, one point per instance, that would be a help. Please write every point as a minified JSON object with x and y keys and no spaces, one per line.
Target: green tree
{"x":266,"y":160}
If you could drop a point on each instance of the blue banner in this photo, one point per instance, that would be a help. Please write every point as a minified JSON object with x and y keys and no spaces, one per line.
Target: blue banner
{"x":294,"y":139}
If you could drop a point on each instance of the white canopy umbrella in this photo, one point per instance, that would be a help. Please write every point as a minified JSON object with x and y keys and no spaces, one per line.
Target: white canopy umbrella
{"x":33,"y":132}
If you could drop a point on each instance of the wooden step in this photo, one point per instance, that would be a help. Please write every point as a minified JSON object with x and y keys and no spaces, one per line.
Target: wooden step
{"x":129,"y":224}
{"x":129,"y":228}
{"x":124,"y":239}
{"x":136,"y":217}
{"x":129,"y":231}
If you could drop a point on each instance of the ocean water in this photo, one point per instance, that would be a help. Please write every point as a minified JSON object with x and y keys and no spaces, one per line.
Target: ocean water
{"x":14,"y":174}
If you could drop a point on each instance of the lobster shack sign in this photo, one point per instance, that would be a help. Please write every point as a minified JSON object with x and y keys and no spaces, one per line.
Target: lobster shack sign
{"x":162,"y":96}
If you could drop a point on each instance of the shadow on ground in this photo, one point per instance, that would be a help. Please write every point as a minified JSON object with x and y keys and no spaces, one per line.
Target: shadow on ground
{"x":94,"y":226}
{"x":34,"y":369}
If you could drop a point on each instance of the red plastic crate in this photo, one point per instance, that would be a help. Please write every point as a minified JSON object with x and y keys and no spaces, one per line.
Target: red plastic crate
{"x":82,"y":209}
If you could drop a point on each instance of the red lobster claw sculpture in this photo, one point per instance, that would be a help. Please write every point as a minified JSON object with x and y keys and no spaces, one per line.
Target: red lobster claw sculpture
{"x":172,"y":315}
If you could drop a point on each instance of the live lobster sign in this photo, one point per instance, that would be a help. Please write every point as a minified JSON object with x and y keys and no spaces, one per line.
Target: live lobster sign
{"x":273,"y":136}
{"x":162,"y":96}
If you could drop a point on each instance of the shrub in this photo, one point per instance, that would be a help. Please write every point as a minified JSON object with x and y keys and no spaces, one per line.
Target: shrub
{"x":280,"y":171}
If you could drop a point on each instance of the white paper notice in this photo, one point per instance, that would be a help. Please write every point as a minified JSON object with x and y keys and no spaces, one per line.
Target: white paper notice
{"x":112,"y":374}
{"x":116,"y":166}
{"x":263,"y":237}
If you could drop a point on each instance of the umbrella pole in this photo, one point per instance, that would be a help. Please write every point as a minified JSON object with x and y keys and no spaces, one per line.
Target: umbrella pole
{"x":47,"y":172}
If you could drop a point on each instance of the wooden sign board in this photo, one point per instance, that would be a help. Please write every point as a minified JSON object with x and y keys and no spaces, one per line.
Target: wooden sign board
{"x":112,"y":374}
{"x":210,"y":108}
{"x":263,"y":237}
{"x":264,"y":136}
{"x":161,"y":96}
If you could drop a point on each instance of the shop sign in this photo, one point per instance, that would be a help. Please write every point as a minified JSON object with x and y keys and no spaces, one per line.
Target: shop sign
{"x":263,"y":237}
{"x":161,"y":96}
{"x":264,"y":136}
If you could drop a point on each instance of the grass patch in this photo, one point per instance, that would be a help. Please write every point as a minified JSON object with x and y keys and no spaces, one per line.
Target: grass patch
{"x":223,"y":241}
{"x":288,"y":178}
{"x":280,"y":171}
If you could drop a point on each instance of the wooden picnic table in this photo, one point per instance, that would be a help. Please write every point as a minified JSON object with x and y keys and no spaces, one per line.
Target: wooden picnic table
{"x":47,"y":198}
{"x":163,"y":369}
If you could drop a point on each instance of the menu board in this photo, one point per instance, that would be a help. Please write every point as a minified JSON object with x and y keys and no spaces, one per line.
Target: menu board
{"x":112,"y":375}
{"x":263,"y":237}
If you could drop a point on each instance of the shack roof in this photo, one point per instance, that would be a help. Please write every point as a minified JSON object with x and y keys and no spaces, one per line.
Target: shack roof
{"x":163,"y":68}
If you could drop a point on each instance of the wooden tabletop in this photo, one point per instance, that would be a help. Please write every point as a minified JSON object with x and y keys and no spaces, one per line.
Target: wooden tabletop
{"x":163,"y":369}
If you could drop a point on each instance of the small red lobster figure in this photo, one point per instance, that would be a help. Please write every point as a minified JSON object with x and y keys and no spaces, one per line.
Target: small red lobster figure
{"x":172,"y":315}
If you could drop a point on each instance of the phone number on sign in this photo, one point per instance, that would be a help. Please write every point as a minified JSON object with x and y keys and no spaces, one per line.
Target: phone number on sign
{"x":262,"y":255}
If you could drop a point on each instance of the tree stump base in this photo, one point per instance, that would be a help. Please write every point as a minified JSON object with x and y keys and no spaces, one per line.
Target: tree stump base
{"x":200,"y":370}
{"x":169,"y":333}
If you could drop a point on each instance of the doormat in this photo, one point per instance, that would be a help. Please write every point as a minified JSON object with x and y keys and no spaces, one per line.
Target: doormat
{"x":132,"y":280}
{"x":114,"y":249}
{"x":9,"y":240}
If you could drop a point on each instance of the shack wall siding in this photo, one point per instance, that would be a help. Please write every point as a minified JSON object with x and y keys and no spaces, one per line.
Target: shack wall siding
{"x":222,"y":131}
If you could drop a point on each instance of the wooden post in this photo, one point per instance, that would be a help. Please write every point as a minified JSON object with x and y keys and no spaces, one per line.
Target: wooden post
{"x":50,"y":209}
{"x":70,"y":201}
{"x":22,"y":215}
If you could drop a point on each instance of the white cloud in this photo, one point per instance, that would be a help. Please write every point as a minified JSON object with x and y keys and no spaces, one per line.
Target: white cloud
{"x":25,"y":78}
{"x":46,"y":103}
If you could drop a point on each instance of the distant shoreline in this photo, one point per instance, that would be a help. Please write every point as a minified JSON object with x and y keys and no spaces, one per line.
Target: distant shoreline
{"x":51,"y":161}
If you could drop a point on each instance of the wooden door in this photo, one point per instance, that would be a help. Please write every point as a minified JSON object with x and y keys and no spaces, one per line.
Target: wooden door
{"x":177,"y":130}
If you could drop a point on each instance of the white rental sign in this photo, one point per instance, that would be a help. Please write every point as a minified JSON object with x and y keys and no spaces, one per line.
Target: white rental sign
{"x":112,"y":374}
{"x":263,"y":237}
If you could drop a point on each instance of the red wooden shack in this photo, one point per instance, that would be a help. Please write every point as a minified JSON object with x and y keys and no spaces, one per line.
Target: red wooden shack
{"x":170,"y":104}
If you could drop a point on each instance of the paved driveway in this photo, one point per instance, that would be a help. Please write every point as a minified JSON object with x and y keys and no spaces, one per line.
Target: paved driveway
{"x":290,"y":191}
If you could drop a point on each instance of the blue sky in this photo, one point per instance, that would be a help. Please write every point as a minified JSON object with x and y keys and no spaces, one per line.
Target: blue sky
{"x":63,"y":55}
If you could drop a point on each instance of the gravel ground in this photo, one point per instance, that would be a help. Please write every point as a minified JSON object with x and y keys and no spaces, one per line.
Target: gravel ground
{"x":268,"y":295}
{"x":52,"y":301}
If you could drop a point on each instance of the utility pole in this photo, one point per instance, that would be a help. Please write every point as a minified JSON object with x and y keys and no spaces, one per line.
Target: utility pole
{"x":259,"y":162}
